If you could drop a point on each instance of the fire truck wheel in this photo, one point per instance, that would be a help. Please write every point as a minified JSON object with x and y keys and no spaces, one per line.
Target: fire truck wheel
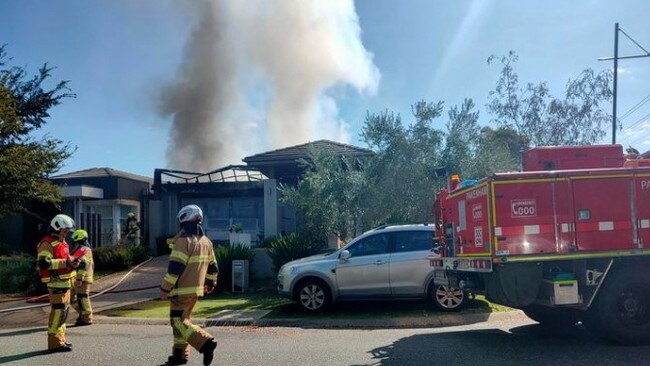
{"x":313,"y":295}
{"x":552,"y":317}
{"x":447,"y":298}
{"x":621,"y":311}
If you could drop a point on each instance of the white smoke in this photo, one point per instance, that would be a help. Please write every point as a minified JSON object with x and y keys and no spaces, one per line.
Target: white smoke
{"x":253,"y":65}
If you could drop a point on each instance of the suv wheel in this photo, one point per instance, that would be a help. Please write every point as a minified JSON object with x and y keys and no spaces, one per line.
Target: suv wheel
{"x":313,"y":295}
{"x":447,"y":298}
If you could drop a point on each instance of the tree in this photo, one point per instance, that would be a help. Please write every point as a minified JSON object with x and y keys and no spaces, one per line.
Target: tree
{"x":328,"y":198}
{"x":459,"y":154}
{"x":25,"y":161}
{"x":498,"y":150}
{"x":533,"y":112}
{"x":400,"y":176}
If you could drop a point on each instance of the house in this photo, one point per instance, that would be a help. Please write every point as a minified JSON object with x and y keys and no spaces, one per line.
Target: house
{"x":99,"y":200}
{"x":245,"y":196}
{"x":237,"y":195}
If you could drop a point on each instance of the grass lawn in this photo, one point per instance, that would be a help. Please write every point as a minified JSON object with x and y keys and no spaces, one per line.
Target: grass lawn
{"x":282,"y":308}
{"x":206,"y":306}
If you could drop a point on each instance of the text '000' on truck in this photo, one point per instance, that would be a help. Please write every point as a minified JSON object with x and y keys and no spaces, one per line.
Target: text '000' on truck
{"x":566,"y":240}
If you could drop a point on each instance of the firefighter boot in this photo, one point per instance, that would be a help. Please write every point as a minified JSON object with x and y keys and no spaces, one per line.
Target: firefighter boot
{"x":208,"y":351}
{"x":65,"y":348}
{"x":178,"y":357}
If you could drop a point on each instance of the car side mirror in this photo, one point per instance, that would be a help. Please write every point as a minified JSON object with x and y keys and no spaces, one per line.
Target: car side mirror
{"x":345,"y":255}
{"x":437,"y":249}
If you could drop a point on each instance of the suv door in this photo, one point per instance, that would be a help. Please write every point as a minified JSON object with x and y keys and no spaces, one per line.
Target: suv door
{"x":409,"y":266}
{"x":365,"y":273}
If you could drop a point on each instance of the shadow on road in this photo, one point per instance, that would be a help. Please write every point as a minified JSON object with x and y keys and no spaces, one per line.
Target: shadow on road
{"x":21,"y":332}
{"x":391,"y":313}
{"x":6,"y":359}
{"x":526,"y":345}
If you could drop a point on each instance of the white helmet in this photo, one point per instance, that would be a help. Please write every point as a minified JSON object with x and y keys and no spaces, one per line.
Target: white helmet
{"x":190,"y":213}
{"x":61,"y":221}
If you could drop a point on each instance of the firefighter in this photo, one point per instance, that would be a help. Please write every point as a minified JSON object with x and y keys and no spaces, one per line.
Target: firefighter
{"x":57,"y":272}
{"x":84,"y":279}
{"x":191,"y":273}
{"x":132,"y":228}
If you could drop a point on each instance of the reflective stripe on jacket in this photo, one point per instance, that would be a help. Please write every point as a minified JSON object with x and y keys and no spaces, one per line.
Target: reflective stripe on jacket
{"x":52,"y":260}
{"x":192,"y":265}
{"x":86,"y":269}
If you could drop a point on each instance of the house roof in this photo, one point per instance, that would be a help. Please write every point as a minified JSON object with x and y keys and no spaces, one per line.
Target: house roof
{"x":646,"y":155}
{"x":230,"y":173}
{"x":296,"y":152}
{"x":103,"y":172}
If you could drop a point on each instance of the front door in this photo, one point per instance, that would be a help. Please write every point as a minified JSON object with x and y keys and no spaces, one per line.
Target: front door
{"x":366,"y":272}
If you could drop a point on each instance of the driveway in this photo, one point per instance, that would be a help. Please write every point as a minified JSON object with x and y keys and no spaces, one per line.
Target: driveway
{"x":137,"y":285}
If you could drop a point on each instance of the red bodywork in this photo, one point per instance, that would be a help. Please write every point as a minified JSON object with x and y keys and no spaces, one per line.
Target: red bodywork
{"x":512,"y":216}
{"x":572,"y":157}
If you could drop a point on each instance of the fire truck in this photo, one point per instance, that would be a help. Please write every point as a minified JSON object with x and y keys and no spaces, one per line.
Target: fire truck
{"x":566,"y":240}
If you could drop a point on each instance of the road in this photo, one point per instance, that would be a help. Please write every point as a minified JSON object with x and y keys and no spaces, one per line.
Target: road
{"x":489,"y":343}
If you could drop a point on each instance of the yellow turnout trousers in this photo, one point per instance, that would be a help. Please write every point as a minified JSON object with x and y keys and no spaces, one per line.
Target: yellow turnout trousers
{"x":185,"y":333}
{"x":81,"y":302}
{"x":60,"y":301}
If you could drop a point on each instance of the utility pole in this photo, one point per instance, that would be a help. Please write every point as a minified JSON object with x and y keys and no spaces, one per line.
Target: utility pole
{"x":617,"y":29}
{"x":615,"y":83}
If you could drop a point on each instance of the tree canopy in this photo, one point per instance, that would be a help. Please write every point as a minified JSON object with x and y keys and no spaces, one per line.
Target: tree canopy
{"x":532,"y":111}
{"x":26,"y":161}
{"x":398,"y":183}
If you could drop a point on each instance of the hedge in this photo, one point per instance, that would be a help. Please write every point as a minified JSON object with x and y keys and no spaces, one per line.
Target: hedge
{"x":18,"y":274}
{"x":118,"y":258}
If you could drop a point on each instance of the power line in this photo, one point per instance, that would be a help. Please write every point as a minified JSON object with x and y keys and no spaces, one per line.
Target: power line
{"x":641,"y":137}
{"x":639,"y":140}
{"x":635,"y":42}
{"x":635,"y":107}
{"x":616,"y":57}
{"x":638,"y":122}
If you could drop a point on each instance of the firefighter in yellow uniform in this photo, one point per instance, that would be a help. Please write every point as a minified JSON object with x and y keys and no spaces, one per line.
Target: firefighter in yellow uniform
{"x":192,"y":271}
{"x":85,"y":271}
{"x":57,"y":271}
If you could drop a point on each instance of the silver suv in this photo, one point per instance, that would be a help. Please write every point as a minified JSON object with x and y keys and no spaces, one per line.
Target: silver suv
{"x":386,"y":262}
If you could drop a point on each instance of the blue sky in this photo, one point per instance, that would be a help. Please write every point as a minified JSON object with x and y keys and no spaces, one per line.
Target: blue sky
{"x":118,"y":54}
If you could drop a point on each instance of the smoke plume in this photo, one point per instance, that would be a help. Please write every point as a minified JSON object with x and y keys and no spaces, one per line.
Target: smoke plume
{"x":260,"y":74}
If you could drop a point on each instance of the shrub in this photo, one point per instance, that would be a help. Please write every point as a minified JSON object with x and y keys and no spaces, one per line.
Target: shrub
{"x":265,"y":242}
{"x":238,"y":228}
{"x":118,"y":258}
{"x":284,"y":249}
{"x":140,"y":254}
{"x":18,"y":274}
{"x":225,"y":255}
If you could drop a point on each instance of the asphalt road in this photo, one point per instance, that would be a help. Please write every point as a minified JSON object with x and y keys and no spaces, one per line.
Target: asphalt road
{"x":490,"y":343}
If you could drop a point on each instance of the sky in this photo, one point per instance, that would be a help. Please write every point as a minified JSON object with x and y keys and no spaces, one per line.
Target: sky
{"x":132,"y":65}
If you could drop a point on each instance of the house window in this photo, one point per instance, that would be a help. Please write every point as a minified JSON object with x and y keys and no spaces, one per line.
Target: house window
{"x":106,"y":234}
{"x":107,"y":221}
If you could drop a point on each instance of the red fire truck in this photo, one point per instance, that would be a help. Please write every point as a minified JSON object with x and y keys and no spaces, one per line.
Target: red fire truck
{"x":565,"y":240}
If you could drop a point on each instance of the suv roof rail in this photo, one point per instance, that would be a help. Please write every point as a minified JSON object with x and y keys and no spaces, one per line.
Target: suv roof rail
{"x":400,"y":223}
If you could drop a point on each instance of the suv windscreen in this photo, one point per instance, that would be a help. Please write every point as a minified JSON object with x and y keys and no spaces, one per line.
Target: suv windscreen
{"x":410,"y":241}
{"x":375,"y":244}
